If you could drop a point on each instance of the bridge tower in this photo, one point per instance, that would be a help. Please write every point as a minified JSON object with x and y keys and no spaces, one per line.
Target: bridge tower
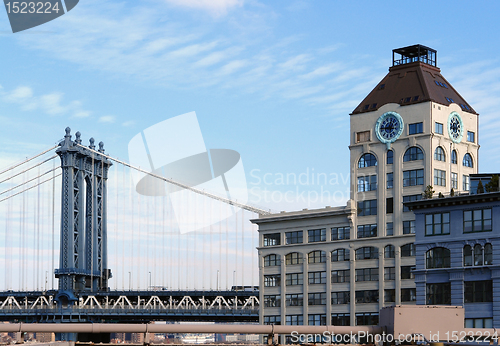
{"x":83,"y":252}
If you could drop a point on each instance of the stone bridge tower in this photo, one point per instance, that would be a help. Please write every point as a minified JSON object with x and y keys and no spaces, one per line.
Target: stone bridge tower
{"x":83,"y":252}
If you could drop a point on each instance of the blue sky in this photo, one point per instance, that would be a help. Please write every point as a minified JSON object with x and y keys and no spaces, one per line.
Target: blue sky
{"x":275,"y":81}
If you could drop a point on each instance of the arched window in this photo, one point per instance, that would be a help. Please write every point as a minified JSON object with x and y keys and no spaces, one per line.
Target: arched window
{"x":271,"y":260}
{"x":390,"y":157}
{"x":293,"y":258}
{"x":488,"y":254}
{"x":389,"y":251}
{"x":408,"y":250}
{"x":413,"y":154}
{"x":367,"y":252}
{"x":467,"y":256}
{"x":438,"y":257}
{"x":454,"y":157}
{"x":317,"y":256}
{"x":340,"y":255}
{"x":367,"y":160}
{"x":478,"y":255}
{"x":439,"y":154}
{"x":467,"y":162}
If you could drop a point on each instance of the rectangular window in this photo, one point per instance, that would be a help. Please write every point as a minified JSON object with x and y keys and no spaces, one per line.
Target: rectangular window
{"x":410,"y":198}
{"x":368,"y":296}
{"x":409,"y":227}
{"x":439,"y":177}
{"x":316,"y":320}
{"x":271,"y":239}
{"x":406,"y":273}
{"x":316,"y":235}
{"x":316,"y":299}
{"x":294,"y":299}
{"x":293,"y":237}
{"x":341,"y":319}
{"x":438,"y":128}
{"x":465,"y":183}
{"x":389,"y":229}
{"x":413,"y":178}
{"x":272,"y":319}
{"x":273,"y":301}
{"x":272,"y":280}
{"x":390,"y":296}
{"x":479,"y":322}
{"x":367,"y":318}
{"x":340,"y":233}
{"x":316,"y":278}
{"x":438,"y":294}
{"x":478,"y":220}
{"x":339,"y":276}
{"x":367,"y":231}
{"x":363,"y":136}
{"x":470,"y":136}
{"x":390,"y":180}
{"x":389,"y":273}
{"x":294,"y":279}
{"x":367,"y":274}
{"x":389,"y":205}
{"x":367,"y":183}
{"x":294,"y":320}
{"x":415,"y":128}
{"x":454,"y":181}
{"x":341,"y":298}
{"x":408,"y":295}
{"x":437,"y":224}
{"x":368,"y":207}
{"x":478,"y":291}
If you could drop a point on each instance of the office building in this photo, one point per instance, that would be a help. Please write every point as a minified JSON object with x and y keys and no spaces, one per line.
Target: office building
{"x":341,"y":265}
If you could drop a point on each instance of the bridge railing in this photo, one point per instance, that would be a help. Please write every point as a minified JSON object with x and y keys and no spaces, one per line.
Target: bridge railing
{"x":136,"y":303}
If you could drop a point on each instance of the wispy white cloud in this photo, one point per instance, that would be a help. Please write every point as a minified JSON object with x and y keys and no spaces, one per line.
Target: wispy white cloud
{"x":51,"y":104}
{"x":107,"y":119}
{"x":214,"y":7}
{"x":138,"y":43}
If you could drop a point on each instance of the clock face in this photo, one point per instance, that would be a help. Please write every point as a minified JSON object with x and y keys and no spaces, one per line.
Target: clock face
{"x":455,"y":127}
{"x":389,"y":127}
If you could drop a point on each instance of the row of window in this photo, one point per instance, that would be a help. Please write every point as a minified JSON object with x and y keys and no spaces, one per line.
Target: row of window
{"x":474,"y":292}
{"x":343,"y":233}
{"x":415,"y":154}
{"x":337,"y":276}
{"x":412,"y":178}
{"x":339,"y":298}
{"x":479,"y":220}
{"x":339,"y":255}
{"x":362,"y":319}
{"x":439,"y":257}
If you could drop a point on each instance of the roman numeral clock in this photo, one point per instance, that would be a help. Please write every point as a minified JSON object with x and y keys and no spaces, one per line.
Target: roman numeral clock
{"x":389,"y":127}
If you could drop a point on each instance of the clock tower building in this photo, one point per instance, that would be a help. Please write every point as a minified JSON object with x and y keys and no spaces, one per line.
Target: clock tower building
{"x":413,"y":130}
{"x":412,"y":134}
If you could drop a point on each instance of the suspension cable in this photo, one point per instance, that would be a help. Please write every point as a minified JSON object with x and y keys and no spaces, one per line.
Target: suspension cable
{"x":27,"y":169}
{"x":28,"y":181}
{"x":187,"y":187}
{"x":29,"y":188}
{"x":27,"y":160}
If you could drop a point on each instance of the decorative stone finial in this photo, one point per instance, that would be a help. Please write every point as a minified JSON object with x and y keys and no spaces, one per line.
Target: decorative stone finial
{"x":91,"y":146}
{"x":68,"y":132}
{"x":78,"y":139}
{"x":101,"y":147}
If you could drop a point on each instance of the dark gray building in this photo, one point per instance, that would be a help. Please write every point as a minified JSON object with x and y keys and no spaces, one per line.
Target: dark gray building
{"x":457,"y":258}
